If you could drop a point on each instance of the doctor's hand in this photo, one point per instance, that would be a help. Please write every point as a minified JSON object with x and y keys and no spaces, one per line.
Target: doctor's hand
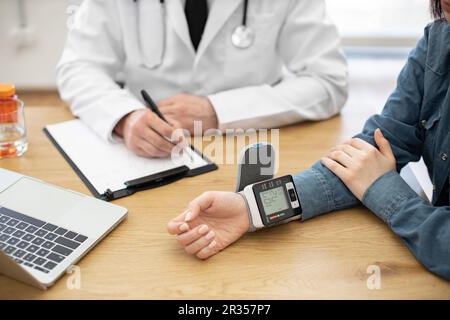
{"x":358,"y":164}
{"x":183,"y":109}
{"x":213,"y":221}
{"x":144,"y":133}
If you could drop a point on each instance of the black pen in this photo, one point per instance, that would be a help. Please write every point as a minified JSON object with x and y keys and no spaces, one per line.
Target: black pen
{"x":152,"y":105}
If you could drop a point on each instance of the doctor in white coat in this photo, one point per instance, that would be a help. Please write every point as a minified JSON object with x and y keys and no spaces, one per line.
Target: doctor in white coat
{"x":228,"y":63}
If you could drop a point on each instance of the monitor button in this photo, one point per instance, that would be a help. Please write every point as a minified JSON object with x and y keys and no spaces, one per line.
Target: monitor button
{"x":292,"y":195}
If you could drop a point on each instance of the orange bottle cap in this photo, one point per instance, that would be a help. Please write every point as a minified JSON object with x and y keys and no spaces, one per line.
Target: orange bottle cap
{"x":7,"y":90}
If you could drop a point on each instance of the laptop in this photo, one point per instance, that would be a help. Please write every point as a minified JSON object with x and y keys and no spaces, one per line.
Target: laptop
{"x":45,"y":229}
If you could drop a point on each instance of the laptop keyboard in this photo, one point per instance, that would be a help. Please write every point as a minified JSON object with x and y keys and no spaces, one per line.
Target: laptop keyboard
{"x":35,"y":243}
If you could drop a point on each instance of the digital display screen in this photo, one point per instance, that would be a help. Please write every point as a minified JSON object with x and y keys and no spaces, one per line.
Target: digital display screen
{"x":274,"y":200}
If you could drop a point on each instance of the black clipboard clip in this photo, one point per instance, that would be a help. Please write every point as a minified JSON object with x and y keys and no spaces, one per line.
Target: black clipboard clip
{"x":158,"y":179}
{"x":107,"y":196}
{"x":148,"y":182}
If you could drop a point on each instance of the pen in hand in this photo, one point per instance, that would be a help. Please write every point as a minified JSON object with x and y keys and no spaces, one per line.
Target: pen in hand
{"x":152,"y":106}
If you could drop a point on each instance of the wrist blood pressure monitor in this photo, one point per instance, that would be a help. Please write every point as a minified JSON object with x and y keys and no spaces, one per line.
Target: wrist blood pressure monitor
{"x":272,"y":202}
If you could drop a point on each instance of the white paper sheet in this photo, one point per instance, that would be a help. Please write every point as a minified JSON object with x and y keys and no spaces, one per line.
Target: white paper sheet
{"x":109,"y":165}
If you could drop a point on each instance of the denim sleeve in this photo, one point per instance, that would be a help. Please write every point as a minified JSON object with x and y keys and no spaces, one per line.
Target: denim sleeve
{"x":321,"y":191}
{"x":423,"y":228}
{"x":400,"y":118}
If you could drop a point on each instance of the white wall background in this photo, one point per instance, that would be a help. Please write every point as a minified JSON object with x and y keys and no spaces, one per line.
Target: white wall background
{"x":362,"y":22}
{"x":32,"y":66}
{"x":385,"y":19}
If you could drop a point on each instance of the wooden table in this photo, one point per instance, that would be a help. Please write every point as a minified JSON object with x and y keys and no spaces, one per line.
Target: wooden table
{"x":324,"y":258}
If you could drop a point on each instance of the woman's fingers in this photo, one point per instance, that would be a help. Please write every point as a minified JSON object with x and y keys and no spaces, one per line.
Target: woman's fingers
{"x":178,"y":225}
{"x":348,"y":149}
{"x":196,"y":233}
{"x":201,"y":203}
{"x":200,"y":243}
{"x":383,"y":144}
{"x":341,"y":157}
{"x":196,"y":206}
{"x":335,"y":167}
{"x":361,"y":144}
{"x":208,"y":251}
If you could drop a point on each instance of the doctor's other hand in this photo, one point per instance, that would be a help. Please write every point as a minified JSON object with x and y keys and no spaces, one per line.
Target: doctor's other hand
{"x":213,"y":221}
{"x":183,"y":109}
{"x":145,"y":134}
{"x":359,"y":164}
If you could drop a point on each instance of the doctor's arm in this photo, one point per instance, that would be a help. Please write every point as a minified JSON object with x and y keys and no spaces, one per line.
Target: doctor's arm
{"x":309,"y":46}
{"x":86,"y":74}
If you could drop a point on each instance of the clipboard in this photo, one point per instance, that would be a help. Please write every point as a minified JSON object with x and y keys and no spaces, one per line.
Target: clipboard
{"x":72,"y":136}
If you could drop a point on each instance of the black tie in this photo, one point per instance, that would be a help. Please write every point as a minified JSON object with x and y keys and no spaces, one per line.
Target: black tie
{"x":196,"y":16}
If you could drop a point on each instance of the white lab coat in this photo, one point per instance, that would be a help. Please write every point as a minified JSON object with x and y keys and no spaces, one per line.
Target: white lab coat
{"x":248,"y":88}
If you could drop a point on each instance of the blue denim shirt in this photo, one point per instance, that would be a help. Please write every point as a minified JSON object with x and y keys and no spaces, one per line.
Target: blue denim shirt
{"x":416,"y":121}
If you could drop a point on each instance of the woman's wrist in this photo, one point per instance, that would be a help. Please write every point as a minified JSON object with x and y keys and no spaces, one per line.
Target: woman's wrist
{"x":251,"y":227}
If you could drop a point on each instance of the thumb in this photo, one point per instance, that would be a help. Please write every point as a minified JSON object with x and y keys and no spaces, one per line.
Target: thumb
{"x":199,"y":204}
{"x":383,"y":144}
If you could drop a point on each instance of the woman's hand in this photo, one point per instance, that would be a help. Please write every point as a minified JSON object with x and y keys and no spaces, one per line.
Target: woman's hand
{"x":212,"y":222}
{"x":358,"y":164}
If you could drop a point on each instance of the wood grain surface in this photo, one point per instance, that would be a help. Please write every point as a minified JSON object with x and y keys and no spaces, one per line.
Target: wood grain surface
{"x":324,"y":258}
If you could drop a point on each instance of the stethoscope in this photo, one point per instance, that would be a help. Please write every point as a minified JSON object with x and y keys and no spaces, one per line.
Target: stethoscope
{"x":243,"y":36}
